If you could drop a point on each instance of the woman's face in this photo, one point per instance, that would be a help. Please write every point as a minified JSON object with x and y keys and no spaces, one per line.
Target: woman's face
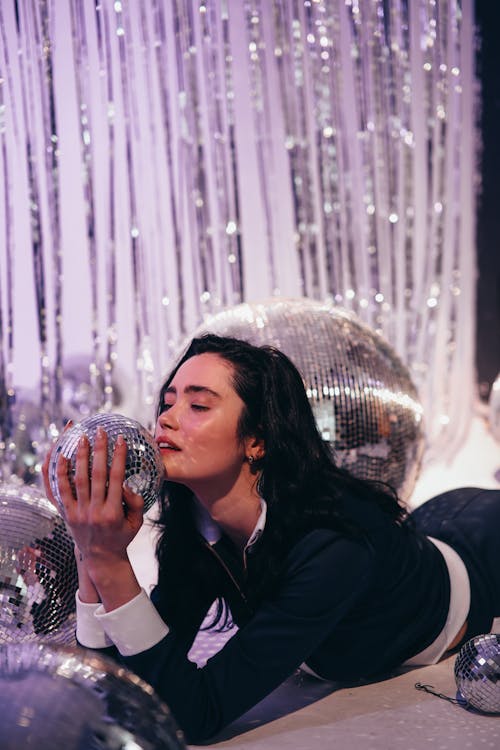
{"x":197,"y":431}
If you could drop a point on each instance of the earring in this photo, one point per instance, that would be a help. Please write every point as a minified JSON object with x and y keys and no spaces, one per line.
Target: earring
{"x":250,"y":460}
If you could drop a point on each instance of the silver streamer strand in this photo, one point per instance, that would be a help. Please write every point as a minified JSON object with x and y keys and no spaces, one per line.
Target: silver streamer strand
{"x":261,"y":106}
{"x":178,"y":158}
{"x":225,"y":228}
{"x":232,"y":220}
{"x":109,"y":241}
{"x":32,"y":81}
{"x":154,"y":139}
{"x":53,"y":201}
{"x":191,"y":150}
{"x":166,"y":129}
{"x":7,"y":393}
{"x":82,"y":80}
{"x":122,"y":30}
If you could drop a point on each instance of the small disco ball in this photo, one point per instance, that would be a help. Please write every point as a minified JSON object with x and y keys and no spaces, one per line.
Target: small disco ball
{"x":61,"y":697}
{"x":38,"y":576}
{"x":144,"y":466}
{"x":362,"y":395}
{"x":477,"y":673}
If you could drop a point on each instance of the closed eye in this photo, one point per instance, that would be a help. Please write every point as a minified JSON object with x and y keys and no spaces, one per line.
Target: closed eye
{"x":195,"y":407}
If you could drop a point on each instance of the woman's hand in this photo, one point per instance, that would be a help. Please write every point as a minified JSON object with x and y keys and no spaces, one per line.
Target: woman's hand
{"x":87,"y":592}
{"x":103,"y":516}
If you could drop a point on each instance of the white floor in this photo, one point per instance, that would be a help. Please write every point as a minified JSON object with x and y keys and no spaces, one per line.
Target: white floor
{"x":306,"y":714}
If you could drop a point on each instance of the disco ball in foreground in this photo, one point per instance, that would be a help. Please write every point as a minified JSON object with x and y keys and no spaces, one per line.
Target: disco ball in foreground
{"x":38,"y":577}
{"x":363,"y":398}
{"x":61,"y":697}
{"x":144,"y":467}
{"x":477,"y":673}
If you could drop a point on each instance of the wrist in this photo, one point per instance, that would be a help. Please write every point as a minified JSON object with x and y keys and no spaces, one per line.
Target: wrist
{"x":103,"y":568}
{"x":114,"y":580}
{"x":87,"y":592}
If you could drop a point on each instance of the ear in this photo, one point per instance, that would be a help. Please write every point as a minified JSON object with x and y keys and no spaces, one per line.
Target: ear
{"x":254,"y":446}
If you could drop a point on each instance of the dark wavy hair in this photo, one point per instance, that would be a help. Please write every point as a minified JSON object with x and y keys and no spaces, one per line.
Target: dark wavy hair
{"x":297,"y":477}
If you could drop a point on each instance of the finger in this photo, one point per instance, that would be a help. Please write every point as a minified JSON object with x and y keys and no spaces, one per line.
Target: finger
{"x":117,"y":472}
{"x":46,"y":469}
{"x":46,"y":479}
{"x":63,"y":484}
{"x":99,"y":467}
{"x":82,"y":482}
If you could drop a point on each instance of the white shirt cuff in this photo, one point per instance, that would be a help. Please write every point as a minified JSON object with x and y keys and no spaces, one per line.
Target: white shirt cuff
{"x":89,"y":631}
{"x":133,"y":627}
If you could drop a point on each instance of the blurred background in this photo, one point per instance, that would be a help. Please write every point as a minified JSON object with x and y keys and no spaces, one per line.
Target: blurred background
{"x":163,"y":163}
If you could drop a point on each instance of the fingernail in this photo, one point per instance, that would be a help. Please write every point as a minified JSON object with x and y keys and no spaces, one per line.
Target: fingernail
{"x":120,"y":440}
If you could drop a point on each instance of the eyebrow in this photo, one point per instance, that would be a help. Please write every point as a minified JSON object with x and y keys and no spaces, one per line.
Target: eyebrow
{"x":193,"y":389}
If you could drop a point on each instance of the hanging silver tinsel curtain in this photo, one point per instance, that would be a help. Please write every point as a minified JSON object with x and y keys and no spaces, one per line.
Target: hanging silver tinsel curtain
{"x":163,"y":159}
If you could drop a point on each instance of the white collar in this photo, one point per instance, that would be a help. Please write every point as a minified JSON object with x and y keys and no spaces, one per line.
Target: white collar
{"x":259,"y":526}
{"x":211,"y":531}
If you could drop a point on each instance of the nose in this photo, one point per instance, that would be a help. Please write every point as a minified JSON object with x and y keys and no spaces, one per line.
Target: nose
{"x":168,"y":419}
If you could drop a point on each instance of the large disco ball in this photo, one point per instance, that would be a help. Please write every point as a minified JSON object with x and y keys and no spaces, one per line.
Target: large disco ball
{"x":362,"y":395}
{"x":477,"y":673}
{"x":38,"y":577}
{"x":61,"y":697}
{"x":144,"y":468}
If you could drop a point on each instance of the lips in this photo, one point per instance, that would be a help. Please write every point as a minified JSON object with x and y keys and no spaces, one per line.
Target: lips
{"x":167,"y":445}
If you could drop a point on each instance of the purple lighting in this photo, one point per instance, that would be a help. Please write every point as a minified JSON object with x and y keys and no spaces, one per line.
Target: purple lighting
{"x":161,"y":162}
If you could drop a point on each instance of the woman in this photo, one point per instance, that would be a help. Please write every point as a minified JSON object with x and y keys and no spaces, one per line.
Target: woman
{"x":316,"y":568}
